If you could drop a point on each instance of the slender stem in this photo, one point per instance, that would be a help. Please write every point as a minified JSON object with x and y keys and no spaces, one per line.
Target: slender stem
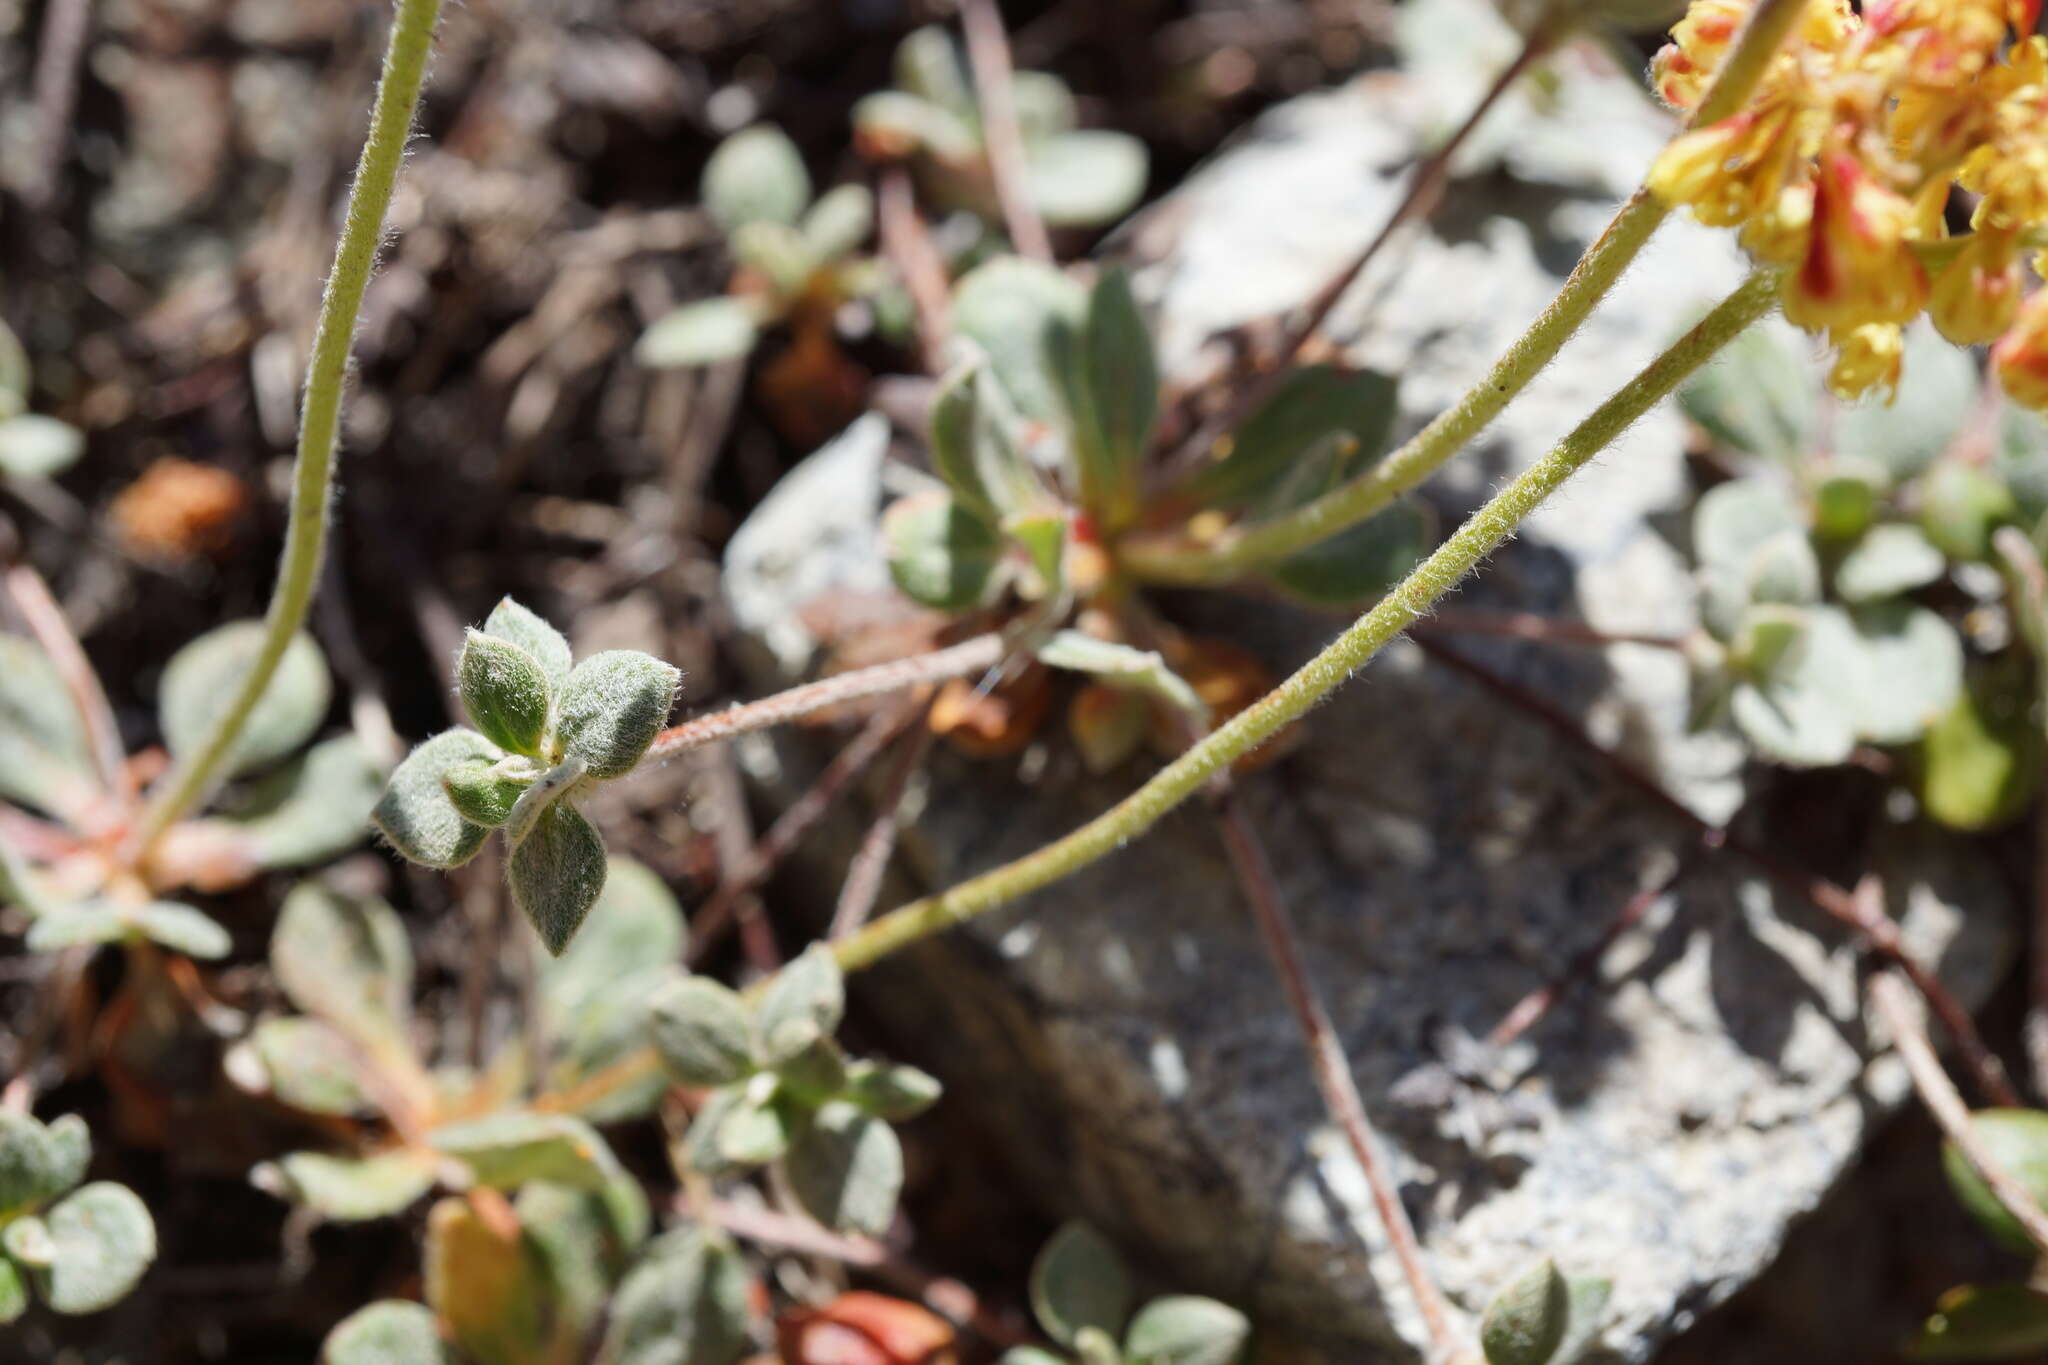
{"x":970,"y":656}
{"x":1331,"y":1067}
{"x":1425,"y":189}
{"x":988,"y":52}
{"x":863,"y":884}
{"x":1477,"y":538}
{"x":1168,"y":557}
{"x":66,"y":24}
{"x":355,"y":255}
{"x":907,"y":245}
{"x":1895,"y":1008}
{"x":802,"y":815}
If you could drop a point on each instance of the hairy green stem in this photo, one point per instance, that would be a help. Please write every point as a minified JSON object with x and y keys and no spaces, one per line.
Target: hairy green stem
{"x":1171,"y":558}
{"x":1478,"y":537}
{"x":355,"y":255}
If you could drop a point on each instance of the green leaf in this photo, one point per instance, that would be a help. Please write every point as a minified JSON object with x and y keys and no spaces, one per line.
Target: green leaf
{"x":1980,"y":764}
{"x":1798,"y":703}
{"x":39,"y":1161}
{"x":1109,"y":381}
{"x":1887,"y":561}
{"x":1123,"y":666}
{"x":1085,"y":179}
{"x":891,"y":1092}
{"x":612,"y":707}
{"x":756,"y":1129}
{"x":1984,"y":1322}
{"x":700,"y":1143}
{"x":893,"y":123}
{"x":803,"y":1001}
{"x":2016,"y":1139}
{"x":416,"y":815}
{"x":13,"y":1292}
{"x":345,"y":960}
{"x":27,"y":1241}
{"x":1009,"y":307}
{"x":1045,"y":104}
{"x":846,"y":1169}
{"x":1785,"y":571}
{"x":1759,"y":394}
{"x":1525,"y":1323}
{"x":974,"y":448}
{"x":1845,"y":498}
{"x":487,"y":793}
{"x":388,"y":1332}
{"x":309,"y":1065}
{"x":814,"y":1075}
{"x":1044,"y":540}
{"x":1937,"y":393}
{"x":1316,"y":408}
{"x":780,"y":254}
{"x":700,"y":333}
{"x":756,"y":176}
{"x":181,"y":928}
{"x":1589,"y":1294}
{"x":350,"y":1189}
{"x":202,"y":679}
{"x":35,"y":447}
{"x":684,"y":1304}
{"x":584,"y":1241}
{"x":1961,"y":505}
{"x":700,"y":1028}
{"x":312,"y":809}
{"x":1077,"y":1282}
{"x":1184,"y":1329}
{"x":1911,"y":671}
{"x":491,"y":1291}
{"x":556,"y":873}
{"x":928,"y":65}
{"x":504,"y":1151}
{"x":532,"y":633}
{"x":1094,"y":1346}
{"x":594,"y":997}
{"x":1733,"y":520}
{"x":14,"y":373}
{"x":1359,"y":563}
{"x":103,"y":1242}
{"x":44,"y":759}
{"x":505,"y":691}
{"x":940,"y":554}
{"x":839,"y":222}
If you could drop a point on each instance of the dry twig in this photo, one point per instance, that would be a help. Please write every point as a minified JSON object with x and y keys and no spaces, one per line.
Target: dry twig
{"x":988,"y":52}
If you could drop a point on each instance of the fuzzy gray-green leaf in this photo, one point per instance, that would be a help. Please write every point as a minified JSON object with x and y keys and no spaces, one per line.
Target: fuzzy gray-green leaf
{"x":485,"y":793}
{"x":1887,"y":561}
{"x":1086,"y":178}
{"x":839,"y":222}
{"x":1359,"y":563}
{"x":846,"y":1169}
{"x":14,"y":1297}
{"x":415,"y":813}
{"x":104,"y":1241}
{"x":1009,"y":307}
{"x":181,"y":928}
{"x":44,"y":759}
{"x":36,"y":447}
{"x":504,"y":1151}
{"x":351,"y":1189}
{"x":940,"y":553}
{"x":556,"y":874}
{"x":1185,"y":1329}
{"x":594,"y":996}
{"x":345,"y":960}
{"x":202,"y":679}
{"x":891,"y":1091}
{"x":805,"y":1000}
{"x":310,"y":1065}
{"x":388,"y":1332}
{"x":312,"y":809}
{"x":685,"y":1303}
{"x":700,"y":1028}
{"x":1078,"y":1281}
{"x":1526,"y":1321}
{"x":755,"y":176}
{"x":1314,"y":407}
{"x":39,"y":1161}
{"x":528,"y":629}
{"x":505,"y":691}
{"x":2017,"y":1139}
{"x":1731,"y":520}
{"x":612,"y":707}
{"x":702,"y":332}
{"x":1109,"y":380}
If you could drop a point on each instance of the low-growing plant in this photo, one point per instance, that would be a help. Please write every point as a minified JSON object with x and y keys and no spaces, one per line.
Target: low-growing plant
{"x":1082,"y":1296}
{"x":81,"y":1247}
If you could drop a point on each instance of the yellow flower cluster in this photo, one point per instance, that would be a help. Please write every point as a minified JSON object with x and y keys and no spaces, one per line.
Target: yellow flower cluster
{"x":1841,"y":165}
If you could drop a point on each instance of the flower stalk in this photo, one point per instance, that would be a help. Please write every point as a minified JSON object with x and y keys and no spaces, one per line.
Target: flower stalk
{"x":355,"y":257}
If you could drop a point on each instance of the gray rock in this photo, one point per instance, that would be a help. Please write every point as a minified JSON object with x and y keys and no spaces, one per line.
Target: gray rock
{"x":1443,"y":854}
